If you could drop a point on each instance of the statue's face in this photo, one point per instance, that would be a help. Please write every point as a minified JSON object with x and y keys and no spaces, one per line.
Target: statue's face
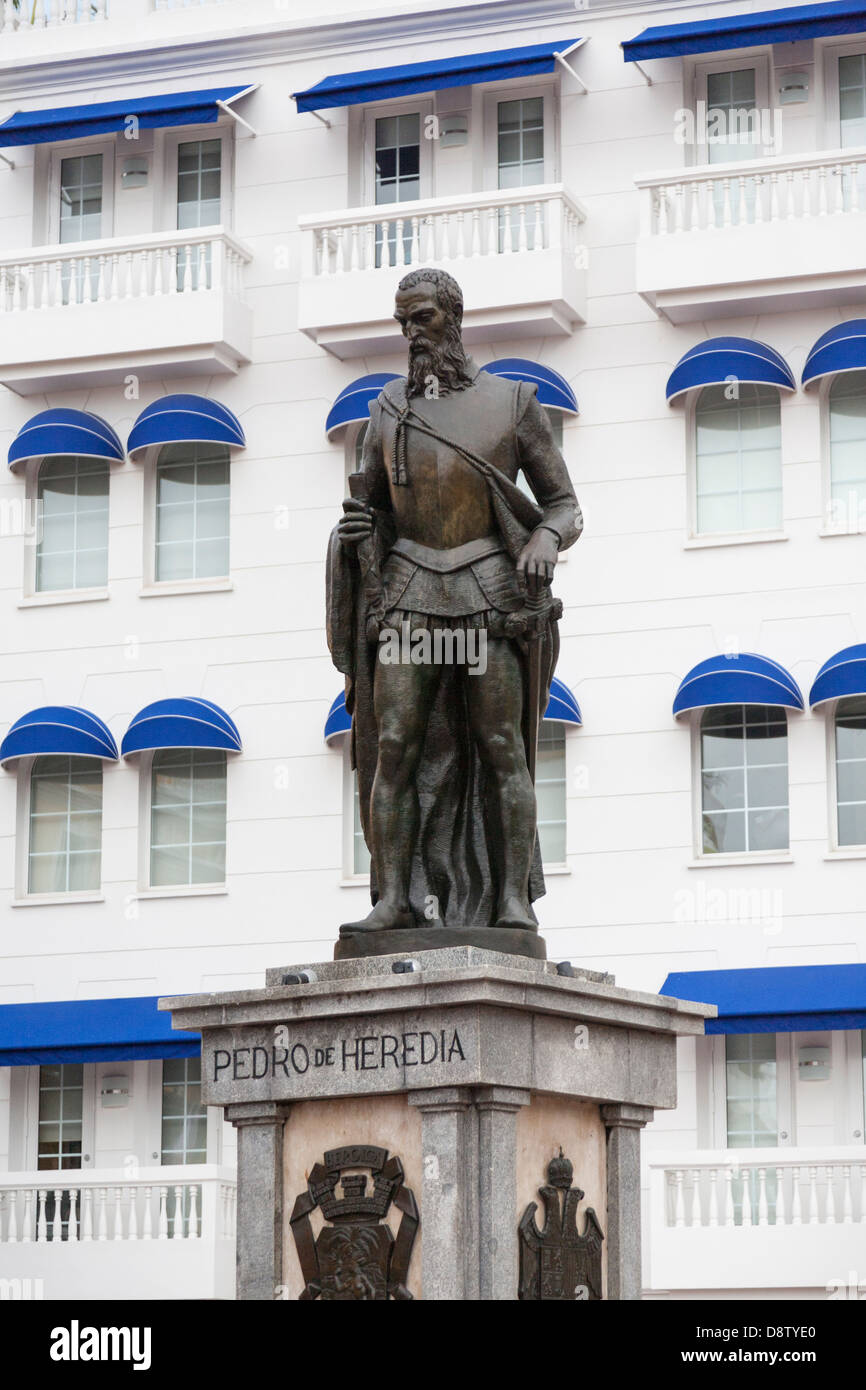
{"x":420,"y":317}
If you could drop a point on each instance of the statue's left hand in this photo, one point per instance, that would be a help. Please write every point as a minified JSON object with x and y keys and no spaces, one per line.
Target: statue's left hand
{"x":537,"y":560}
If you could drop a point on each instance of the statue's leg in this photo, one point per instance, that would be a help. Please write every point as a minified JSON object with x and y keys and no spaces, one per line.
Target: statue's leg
{"x":403,"y":697}
{"x":495,"y":701}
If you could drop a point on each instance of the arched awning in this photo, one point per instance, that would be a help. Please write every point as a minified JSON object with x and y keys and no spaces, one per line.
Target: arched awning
{"x":59,"y":730}
{"x":844,"y":674}
{"x":353,"y":403}
{"x":744,"y":679}
{"x":841,"y":349}
{"x":553,"y":389}
{"x":718,"y":360}
{"x":57,"y":433}
{"x":185,"y":419}
{"x":187,"y":722}
{"x":562,"y":708}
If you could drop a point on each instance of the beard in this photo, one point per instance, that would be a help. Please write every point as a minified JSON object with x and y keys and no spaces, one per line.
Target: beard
{"x":442,"y":367}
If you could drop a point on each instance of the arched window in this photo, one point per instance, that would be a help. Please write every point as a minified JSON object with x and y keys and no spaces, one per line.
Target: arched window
{"x":847,"y":410}
{"x":72,"y":515}
{"x":851,"y":771}
{"x":187,"y":817}
{"x":192,"y":512}
{"x":738,"y":460}
{"x":65,"y":845}
{"x":744,"y":779}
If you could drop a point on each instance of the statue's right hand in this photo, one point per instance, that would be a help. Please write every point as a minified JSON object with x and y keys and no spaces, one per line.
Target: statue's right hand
{"x":356,"y":524}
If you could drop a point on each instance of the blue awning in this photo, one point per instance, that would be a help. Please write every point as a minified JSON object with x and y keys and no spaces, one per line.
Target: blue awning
{"x":105,"y":117}
{"x":776,"y":999}
{"x":844,"y":674}
{"x":90,"y":1030}
{"x":553,"y":389}
{"x":718,"y":360}
{"x":748,"y":30}
{"x":562,"y":708}
{"x":840,"y":349}
{"x":58,"y":729}
{"x":377,"y":84}
{"x":185,"y":419}
{"x":54,"y":433}
{"x":744,"y":679}
{"x":354,"y":401}
{"x":181,"y":723}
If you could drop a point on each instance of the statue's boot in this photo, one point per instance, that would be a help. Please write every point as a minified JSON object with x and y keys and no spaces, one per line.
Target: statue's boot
{"x":384,"y":917}
{"x":514,"y":913}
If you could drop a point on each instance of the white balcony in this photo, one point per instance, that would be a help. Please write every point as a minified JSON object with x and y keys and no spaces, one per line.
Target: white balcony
{"x":165,"y":1233}
{"x":757,"y":1218}
{"x":516,"y":254}
{"x":89,"y":313}
{"x":758,"y":236}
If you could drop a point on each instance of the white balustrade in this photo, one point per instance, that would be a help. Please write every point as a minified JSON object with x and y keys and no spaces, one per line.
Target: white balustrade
{"x":170,"y":264}
{"x":759,"y":1187}
{"x":507,"y":222}
{"x":49,"y":14}
{"x":714,"y":197}
{"x":198,"y":1203}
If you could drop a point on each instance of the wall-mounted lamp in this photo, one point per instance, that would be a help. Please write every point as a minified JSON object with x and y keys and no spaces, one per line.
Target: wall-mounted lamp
{"x":133,"y":172}
{"x":814,"y":1063}
{"x":793,"y":88}
{"x":453,"y":129}
{"x":114,"y":1092}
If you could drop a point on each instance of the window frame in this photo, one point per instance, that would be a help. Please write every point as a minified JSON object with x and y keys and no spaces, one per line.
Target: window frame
{"x":825,"y":389}
{"x":760,"y":59}
{"x":831,"y":113}
{"x":786,"y":1118}
{"x":520,"y":91}
{"x":854,"y":851}
{"x":151,"y":587}
{"x":57,"y":153}
{"x":28,"y":1103}
{"x":145,"y":805}
{"x":700,"y":858}
{"x":374,"y":112}
{"x":708,"y":538}
{"x":189,"y":135}
{"x":32,"y":469}
{"x":23,"y":897}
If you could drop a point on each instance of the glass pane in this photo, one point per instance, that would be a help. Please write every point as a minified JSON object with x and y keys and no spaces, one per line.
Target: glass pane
{"x":724,"y":833}
{"x":768,"y":830}
{"x":738,"y":460}
{"x":723,"y":791}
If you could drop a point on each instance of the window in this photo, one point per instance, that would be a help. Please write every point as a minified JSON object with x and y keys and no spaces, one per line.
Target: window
{"x":360,"y":852}
{"x":184,"y":1117}
{"x":187,"y":817}
{"x":731,"y":114}
{"x":520,"y":162}
{"x":847,"y":411}
{"x":199,"y":201}
{"x":738,"y":460}
{"x":752,"y":1119}
{"x":81,"y":198}
{"x":550,"y":792}
{"x":65,"y":825}
{"x":192,"y":512}
{"x":850,"y":732}
{"x":397,"y":165}
{"x":61,"y":1108}
{"x":744,"y":779}
{"x":852,"y":100}
{"x":355,"y":436}
{"x":72,"y":507}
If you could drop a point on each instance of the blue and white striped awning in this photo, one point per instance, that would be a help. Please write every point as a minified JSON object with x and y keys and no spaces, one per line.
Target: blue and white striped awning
{"x":59,"y":730}
{"x":744,"y":679}
{"x":844,"y":674}
{"x":62,"y":432}
{"x":719,"y":360}
{"x":562,"y":708}
{"x":90,"y":1030}
{"x":181,"y":723}
{"x":553,"y":389}
{"x":715,"y":34}
{"x":407,"y":79}
{"x":841,"y":349}
{"x":354,"y":401}
{"x":105,"y":117}
{"x":184,"y":419}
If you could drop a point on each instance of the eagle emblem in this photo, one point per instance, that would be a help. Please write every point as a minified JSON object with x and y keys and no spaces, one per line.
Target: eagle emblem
{"x":556,"y":1262}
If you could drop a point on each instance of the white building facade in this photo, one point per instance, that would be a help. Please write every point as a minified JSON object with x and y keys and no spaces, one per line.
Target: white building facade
{"x":196,"y":285}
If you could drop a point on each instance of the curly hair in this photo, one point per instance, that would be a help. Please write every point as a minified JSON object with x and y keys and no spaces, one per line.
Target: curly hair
{"x":448,"y":292}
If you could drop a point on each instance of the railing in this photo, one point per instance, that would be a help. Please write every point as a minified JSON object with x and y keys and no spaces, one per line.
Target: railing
{"x":49,"y":14}
{"x":121,"y":269}
{"x":759,"y":1187}
{"x":793,"y":188}
{"x":190,"y":1202}
{"x":505,"y":222}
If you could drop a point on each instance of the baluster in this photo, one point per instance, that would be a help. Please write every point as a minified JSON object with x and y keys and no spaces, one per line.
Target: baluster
{"x":814,"y":1214}
{"x":57,"y":1224}
{"x":847,"y":1202}
{"x":838,"y":188}
{"x":86,"y":287}
{"x":102,"y":1213}
{"x":117,"y":1233}
{"x":415,"y":242}
{"x":714,"y":1197}
{"x":679,"y":1204}
{"x":796,"y":1207}
{"x":695,"y":208}
{"x":28,"y":1215}
{"x":774,"y":196}
{"x":781,"y":1204}
{"x":679,"y":208}
{"x":132,"y":1226}
{"x":192,"y":1229}
{"x":157,"y":271}
{"x":399,"y":247}
{"x":202,"y":278}
{"x":461,"y":233}
{"x":16,"y":290}
{"x":29,"y":272}
{"x":742,"y":201}
{"x":187,"y":270}
{"x":727,"y":217}
{"x":763,"y":1212}
{"x":12,"y":1228}
{"x":854,"y":174}
{"x":695,"y":1215}
{"x":72,"y":1226}
{"x":178,"y":1212}
{"x":728,"y":1198}
{"x":129,"y":271}
{"x":369,"y":245}
{"x":87,"y":1214}
{"x":41,"y":1223}
{"x":100,"y":280}
{"x":163,"y":1214}
{"x":147,"y":1228}
{"x":822,"y":191}
{"x":746,"y":1175}
{"x":758,"y":185}
{"x":321,"y":252}
{"x":663,"y":216}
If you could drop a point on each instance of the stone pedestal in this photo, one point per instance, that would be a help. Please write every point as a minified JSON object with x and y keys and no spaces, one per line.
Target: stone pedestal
{"x":474,"y":1070}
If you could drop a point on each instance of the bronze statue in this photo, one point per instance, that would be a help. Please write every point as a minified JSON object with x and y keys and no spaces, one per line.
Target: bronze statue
{"x":441,"y":619}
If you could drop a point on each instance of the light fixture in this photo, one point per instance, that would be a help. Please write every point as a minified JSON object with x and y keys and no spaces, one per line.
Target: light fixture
{"x":793,"y":88}
{"x":814,"y":1063}
{"x":114,"y":1092}
{"x":133,"y":172}
{"x":453,"y":129}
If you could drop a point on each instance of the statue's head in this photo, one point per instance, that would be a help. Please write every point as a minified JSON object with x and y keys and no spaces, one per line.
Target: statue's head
{"x":429,"y":309}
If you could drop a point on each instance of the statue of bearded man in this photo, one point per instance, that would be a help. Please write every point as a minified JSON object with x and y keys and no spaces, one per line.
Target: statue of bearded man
{"x":439,"y":544}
